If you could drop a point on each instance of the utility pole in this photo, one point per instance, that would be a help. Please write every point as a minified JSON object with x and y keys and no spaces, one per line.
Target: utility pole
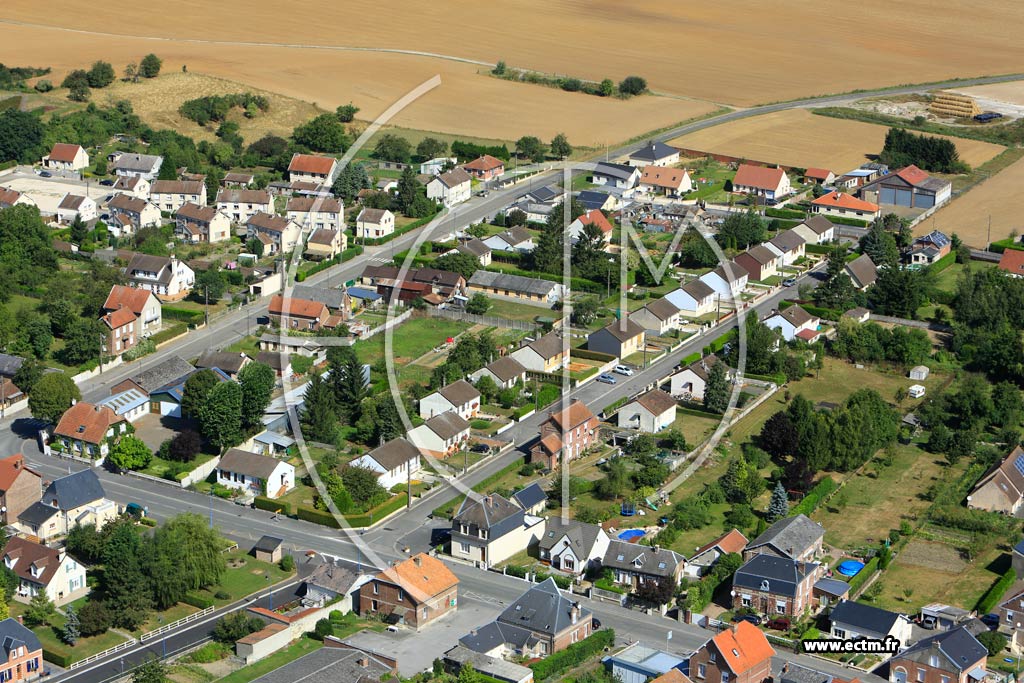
{"x":408,"y":485}
{"x":101,"y":353}
{"x":206,"y":311}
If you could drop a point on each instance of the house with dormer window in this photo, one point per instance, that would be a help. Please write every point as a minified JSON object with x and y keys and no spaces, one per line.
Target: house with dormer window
{"x":739,"y":654}
{"x":44,"y":570}
{"x":22,"y":654}
{"x":633,"y":564}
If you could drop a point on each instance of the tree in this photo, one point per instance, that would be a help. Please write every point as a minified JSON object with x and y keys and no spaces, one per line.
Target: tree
{"x":72,"y":627}
{"x":221,"y":416}
{"x":500,"y":68}
{"x":632,"y":85}
{"x":463,"y":264}
{"x":994,"y":641}
{"x":478,"y":304}
{"x":346,"y":112}
{"x":53,"y":394}
{"x":615,"y":482}
{"x":210,"y":285}
{"x":255,"y":246}
{"x":197,"y":390}
{"x":606,"y":88}
{"x":82,"y":342}
{"x":468,"y":674}
{"x":319,"y":412}
{"x":880,"y":245}
{"x":192,"y":552}
{"x":184,"y":446}
{"x":779,"y":435}
{"x":323,"y":133}
{"x":101,"y":75}
{"x":94,"y":618}
{"x":348,"y":382}
{"x":130,"y":453}
{"x":657,"y":592}
{"x":530,"y":147}
{"x":1006,"y":404}
{"x":125,"y":582}
{"x":150,"y":671}
{"x":560,"y":146}
{"x":234,"y":626}
{"x":21,"y":136}
{"x":408,"y":189}
{"x":740,"y":230}
{"x":150,"y":65}
{"x":778,"y":507}
{"x":350,"y":181}
{"x":585,"y":309}
{"x":363,"y":486}
{"x":716,"y":391}
{"x":257,"y":381}
{"x":898,"y":292}
{"x":431,"y":148}
{"x":40,"y":610}
{"x":28,"y":375}
{"x":131,"y":72}
{"x":393,"y":148}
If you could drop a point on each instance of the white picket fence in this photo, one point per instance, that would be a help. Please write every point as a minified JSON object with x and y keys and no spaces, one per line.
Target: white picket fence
{"x":195,"y":616}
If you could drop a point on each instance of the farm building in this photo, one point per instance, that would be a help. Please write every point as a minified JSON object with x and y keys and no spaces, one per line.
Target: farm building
{"x":908,"y":187}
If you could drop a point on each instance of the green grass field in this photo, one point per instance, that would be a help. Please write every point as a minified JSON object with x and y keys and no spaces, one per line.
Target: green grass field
{"x":513,"y":310}
{"x":927,"y":571}
{"x":410,"y":340}
{"x":947,"y":279}
{"x":50,"y":638}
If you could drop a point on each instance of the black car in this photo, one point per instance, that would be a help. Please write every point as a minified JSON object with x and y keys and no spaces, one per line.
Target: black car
{"x":106,"y":183}
{"x":595,"y":623}
{"x":481,"y":448}
{"x":752,"y":618}
{"x":991,"y":620}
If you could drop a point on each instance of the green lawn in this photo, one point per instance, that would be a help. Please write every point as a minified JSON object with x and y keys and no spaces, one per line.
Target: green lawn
{"x":410,"y":340}
{"x":50,"y":639}
{"x":246,"y":579}
{"x":169,"y":615}
{"x":513,"y":310}
{"x":158,"y":466}
{"x":694,"y":428}
{"x":249,"y":345}
{"x":947,"y":279}
{"x":927,"y":571}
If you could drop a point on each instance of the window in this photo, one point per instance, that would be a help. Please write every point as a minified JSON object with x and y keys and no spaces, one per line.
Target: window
{"x":373,"y":605}
{"x":712,"y":657}
{"x":376,"y":588}
{"x":464,"y":547}
{"x":920,"y":675}
{"x":933,"y":660}
{"x":575,"y":636}
{"x":725,"y":677}
{"x":745,"y":600}
{"x":5,"y":675}
{"x":700,"y":670}
{"x":838,"y":633}
{"x":945,"y":679}
{"x":401,"y":595}
{"x":780,"y":606}
{"x":32,"y":664}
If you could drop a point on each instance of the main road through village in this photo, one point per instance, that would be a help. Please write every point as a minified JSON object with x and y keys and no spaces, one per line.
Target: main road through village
{"x":412,"y":528}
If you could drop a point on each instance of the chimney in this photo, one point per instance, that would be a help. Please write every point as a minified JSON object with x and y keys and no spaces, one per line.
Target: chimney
{"x":654,"y":549}
{"x":418,"y":561}
{"x":488,"y":501}
{"x":363,"y":662}
{"x":574,"y":612}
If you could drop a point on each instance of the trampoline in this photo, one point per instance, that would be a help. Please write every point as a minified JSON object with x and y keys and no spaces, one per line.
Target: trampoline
{"x":850,"y":567}
{"x":630,"y":534}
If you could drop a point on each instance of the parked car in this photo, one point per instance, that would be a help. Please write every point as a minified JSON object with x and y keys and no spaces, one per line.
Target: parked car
{"x":106,"y":182}
{"x":623,"y":370}
{"x":780,"y":624}
{"x":605,"y":378}
{"x":595,"y":623}
{"x":752,"y":618}
{"x":136,"y":510}
{"x":45,"y":174}
{"x":789,"y":282}
{"x":481,"y":448}
{"x":991,"y":620}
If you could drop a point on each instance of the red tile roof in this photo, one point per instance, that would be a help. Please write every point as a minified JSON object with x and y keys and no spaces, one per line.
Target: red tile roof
{"x":660,"y":176}
{"x":422,"y":577}
{"x":10,"y":468}
{"x":743,"y":647}
{"x":118,"y":318}
{"x":132,"y":298}
{"x":817,"y":173}
{"x":86,"y":422}
{"x":311,"y":163}
{"x":577,"y":414}
{"x":758,"y":176}
{"x":298,"y":308}
{"x":1012,"y":261}
{"x":732,"y":542}
{"x":912,"y":174}
{"x":484,"y":163}
{"x":64,"y":152}
{"x":8,"y":196}
{"x":597,"y":218}
{"x":841,"y":200}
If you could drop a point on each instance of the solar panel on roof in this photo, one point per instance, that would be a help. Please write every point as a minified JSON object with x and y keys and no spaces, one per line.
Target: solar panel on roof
{"x":1019,"y":464}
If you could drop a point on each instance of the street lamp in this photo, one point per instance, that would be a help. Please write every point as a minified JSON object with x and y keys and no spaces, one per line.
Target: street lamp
{"x":270,"y":592}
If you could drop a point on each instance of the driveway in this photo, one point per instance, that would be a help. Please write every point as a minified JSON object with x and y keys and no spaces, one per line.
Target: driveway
{"x":416,"y":651}
{"x":154,"y":429}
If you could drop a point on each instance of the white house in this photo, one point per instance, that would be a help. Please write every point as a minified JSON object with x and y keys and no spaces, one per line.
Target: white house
{"x":44,"y":570}
{"x":852,"y":620}
{"x":316,"y":213}
{"x":517,"y":239}
{"x":313,"y":168}
{"x":770,"y":183}
{"x":141,"y":213}
{"x":816,"y":230}
{"x":654,"y":154}
{"x":394,"y":462}
{"x":146,"y":166}
{"x":282,"y":233}
{"x":256,"y":474}
{"x":793,"y":322}
{"x":460,"y":397}
{"x":435,"y":166}
{"x":671,"y":182}
{"x":728,"y":283}
{"x":374,"y":223}
{"x":442,"y":435}
{"x":450,"y":188}
{"x":66,"y":157}
{"x":842,"y":204}
{"x":658,"y":317}
{"x":691,"y":380}
{"x":622,"y":176}
{"x":789,"y":245}
{"x":130,"y":404}
{"x":549,"y":353}
{"x":9,"y":198}
{"x":590,"y":217}
{"x":477,"y":249}
{"x":694,"y":299}
{"x":168,"y":278}
{"x":241,"y":205}
{"x":506,"y":372}
{"x":650,"y":412}
{"x":572,"y":546}
{"x":74,"y":206}
{"x":197,"y":223}
{"x":137,"y":186}
{"x":171,"y":195}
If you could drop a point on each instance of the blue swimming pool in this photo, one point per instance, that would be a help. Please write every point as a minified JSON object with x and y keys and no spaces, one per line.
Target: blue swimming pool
{"x":850,"y":567}
{"x":630,"y":534}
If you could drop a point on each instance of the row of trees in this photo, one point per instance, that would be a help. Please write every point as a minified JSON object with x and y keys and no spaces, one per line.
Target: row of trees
{"x":101,"y":74}
{"x":626,"y":88}
{"x":903,"y":148}
{"x":864,"y":342}
{"x":228,"y":411}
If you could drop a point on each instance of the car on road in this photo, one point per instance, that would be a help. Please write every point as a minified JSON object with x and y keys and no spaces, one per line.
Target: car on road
{"x":789,"y":282}
{"x":481,"y":448}
{"x":752,"y":618}
{"x":45,"y":174}
{"x":605,"y":378}
{"x":623,"y":370}
{"x":106,"y":182}
{"x":136,"y":510}
{"x":595,"y":623}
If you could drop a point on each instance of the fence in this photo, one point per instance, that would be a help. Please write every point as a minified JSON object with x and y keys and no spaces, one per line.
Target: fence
{"x":397,"y":320}
{"x":200,"y":473}
{"x":175,"y":624}
{"x":489,"y":320}
{"x":89,"y":374}
{"x":607,"y":596}
{"x":106,"y":653}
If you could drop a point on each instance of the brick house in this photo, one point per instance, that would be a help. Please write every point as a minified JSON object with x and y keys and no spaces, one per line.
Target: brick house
{"x":574,"y":429}
{"x":739,"y":654}
{"x":796,"y":538}
{"x":20,"y":487}
{"x":119,"y":331}
{"x":415,"y":592}
{"x":22,"y":654}
{"x":301,"y":314}
{"x":775,"y":585}
{"x":485,"y":167}
{"x":953,"y":656}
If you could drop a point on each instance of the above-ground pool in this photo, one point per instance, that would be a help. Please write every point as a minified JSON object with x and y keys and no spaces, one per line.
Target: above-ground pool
{"x":630,"y":534}
{"x":850,"y":567}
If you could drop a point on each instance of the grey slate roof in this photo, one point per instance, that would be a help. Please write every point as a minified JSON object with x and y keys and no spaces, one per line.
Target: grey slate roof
{"x":268,"y":544}
{"x":581,"y":536}
{"x":496,"y":634}
{"x":863,"y":270}
{"x":228,"y":361}
{"x":794,"y":673}
{"x":447,"y":424}
{"x":592,"y":199}
{"x":960,"y":648}
{"x":329,"y":297}
{"x":534,"y":495}
{"x":542,"y":609}
{"x":506,"y":368}
{"x":782,"y":574}
{"x":487,"y":665}
{"x":459,"y":392}
{"x":656,"y":562}
{"x":332,"y":577}
{"x":513,"y":283}
{"x":1019,"y":548}
{"x":865,"y":619}
{"x":14,"y":635}
{"x":487,"y":511}
{"x":9,"y":365}
{"x":150,"y":264}
{"x":73,"y":490}
{"x":622,"y":332}
{"x":653,"y":152}
{"x":36,"y":514}
{"x":394,"y":453}
{"x":163,"y":373}
{"x":475,"y":247}
{"x":329,"y":665}
{"x":833,"y":587}
{"x":246,"y":462}
{"x":698,"y":289}
{"x":790,"y":536}
{"x":545,"y":194}
{"x":619,"y":171}
{"x":137,"y":163}
{"x":788,"y":240}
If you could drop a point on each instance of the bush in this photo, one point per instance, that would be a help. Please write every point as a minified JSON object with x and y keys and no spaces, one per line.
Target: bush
{"x":516,"y":571}
{"x":222,"y":595}
{"x":573,"y":656}
{"x":814,"y":497}
{"x":200,"y":601}
{"x":271,"y":505}
{"x":63,"y":661}
{"x":992,"y":596}
{"x":185,"y":315}
{"x":316,"y":516}
{"x":323,"y":628}
{"x":287,"y":563}
{"x":863,"y":575}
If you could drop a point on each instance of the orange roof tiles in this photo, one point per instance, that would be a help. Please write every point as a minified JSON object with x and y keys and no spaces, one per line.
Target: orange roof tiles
{"x":422,"y":576}
{"x":912,"y":174}
{"x":660,"y":176}
{"x":298,"y":308}
{"x":119,"y":318}
{"x":132,"y":298}
{"x":743,"y":647}
{"x":841,"y":200}
{"x":86,"y":422}
{"x":817,"y":173}
{"x":760,"y":177}
{"x":64,"y":152}
{"x":484,"y":163}
{"x":576,"y":414}
{"x":10,"y":468}
{"x":311,"y":163}
{"x":1012,"y":261}
{"x":595,"y":217}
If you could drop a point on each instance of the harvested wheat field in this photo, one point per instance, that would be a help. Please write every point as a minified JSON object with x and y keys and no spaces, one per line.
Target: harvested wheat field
{"x":796,"y":137}
{"x":722,"y":51}
{"x":1011,"y":92}
{"x":998,"y":198}
{"x":466,"y":102}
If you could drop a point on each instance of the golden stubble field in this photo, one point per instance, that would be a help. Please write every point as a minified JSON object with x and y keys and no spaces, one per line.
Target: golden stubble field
{"x":796,"y":137}
{"x":998,"y":198}
{"x":735,"y":51}
{"x":466,"y":102}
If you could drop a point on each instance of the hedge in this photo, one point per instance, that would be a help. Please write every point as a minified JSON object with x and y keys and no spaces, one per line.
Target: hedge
{"x":63,"y":661}
{"x":503,"y":256}
{"x":614,"y":405}
{"x":271,"y":505}
{"x":169,"y":333}
{"x":814,"y":497}
{"x":778,"y":379}
{"x":316,"y":516}
{"x":863,"y":575}
{"x":591,"y":355}
{"x":522,"y":410}
{"x":825,"y":313}
{"x":346,"y":255}
{"x":1002,"y":245}
{"x":842,"y":220}
{"x":379,"y":512}
{"x":400,"y":231}
{"x":185,"y":315}
{"x":198,"y":601}
{"x":516,"y":570}
{"x":784,"y":213}
{"x":819,"y":248}
{"x":991,"y":597}
{"x":943,"y":263}
{"x":573,"y":656}
{"x":692,"y":358}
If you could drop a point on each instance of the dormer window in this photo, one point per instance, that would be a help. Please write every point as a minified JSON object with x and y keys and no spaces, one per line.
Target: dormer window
{"x":9,"y":561}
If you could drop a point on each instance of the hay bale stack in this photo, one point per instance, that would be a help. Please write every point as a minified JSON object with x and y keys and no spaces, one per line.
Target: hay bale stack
{"x":952,"y":104}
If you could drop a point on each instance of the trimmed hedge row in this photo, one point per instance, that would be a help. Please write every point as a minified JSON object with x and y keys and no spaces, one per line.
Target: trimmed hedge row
{"x":346,"y":255}
{"x":271,"y":505}
{"x":779,"y":378}
{"x":379,"y":512}
{"x":863,"y":575}
{"x":819,"y":248}
{"x":63,"y":661}
{"x":1002,"y":245}
{"x":992,"y":596}
{"x":784,"y":213}
{"x":814,"y":497}
{"x":400,"y":231}
{"x":692,"y":358}
{"x":198,"y":601}
{"x":842,"y":220}
{"x":171,"y":332}
{"x":943,"y":263}
{"x":185,"y":315}
{"x":321,"y":517}
{"x":591,"y":355}
{"x":577,"y":283}
{"x":572,"y":656}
